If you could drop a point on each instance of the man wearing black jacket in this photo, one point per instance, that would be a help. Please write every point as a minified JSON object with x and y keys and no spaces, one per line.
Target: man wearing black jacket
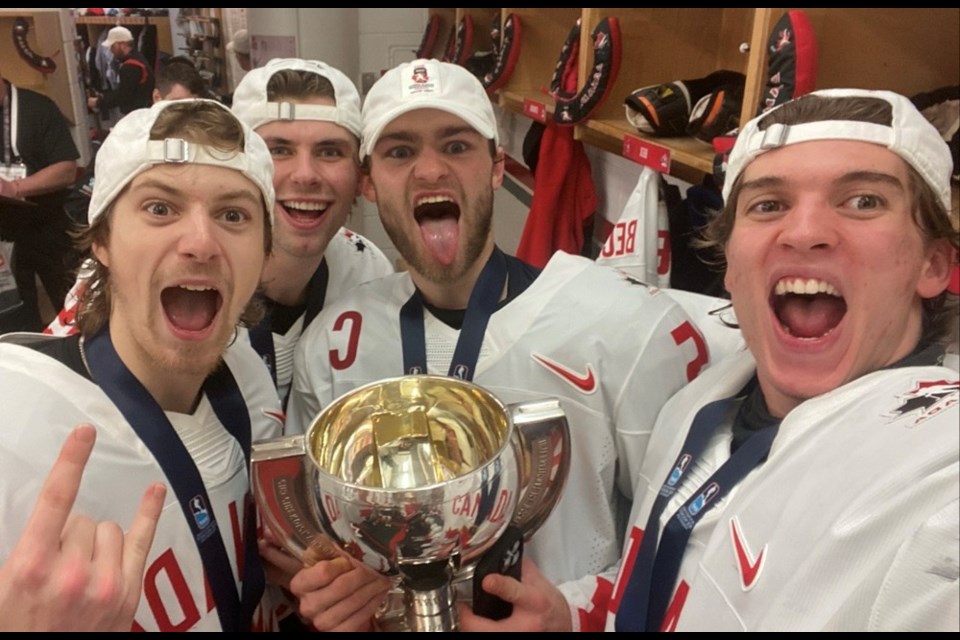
{"x":135,"y":90}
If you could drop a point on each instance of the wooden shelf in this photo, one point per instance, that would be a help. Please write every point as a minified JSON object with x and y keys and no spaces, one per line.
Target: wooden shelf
{"x":119,"y":20}
{"x":903,"y":50}
{"x":515,"y":100}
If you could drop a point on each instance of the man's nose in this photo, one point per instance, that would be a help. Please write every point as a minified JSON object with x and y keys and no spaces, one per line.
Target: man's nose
{"x":199,"y":238}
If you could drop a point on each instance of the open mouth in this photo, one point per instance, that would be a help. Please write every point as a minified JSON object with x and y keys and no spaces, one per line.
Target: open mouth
{"x":807,"y":308}
{"x":439,"y":217}
{"x":304,"y":212}
{"x":191,"y":308}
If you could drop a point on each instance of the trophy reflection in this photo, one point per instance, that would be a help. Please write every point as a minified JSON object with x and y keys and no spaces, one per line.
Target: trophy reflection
{"x":416,"y":477}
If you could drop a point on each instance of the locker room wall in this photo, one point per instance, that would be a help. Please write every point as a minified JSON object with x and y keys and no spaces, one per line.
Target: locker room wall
{"x":363,"y":43}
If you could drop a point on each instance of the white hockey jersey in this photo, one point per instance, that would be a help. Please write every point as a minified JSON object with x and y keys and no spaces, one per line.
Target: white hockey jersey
{"x":351,"y":260}
{"x":610,"y":349}
{"x":852,"y":522}
{"x":43,"y":400}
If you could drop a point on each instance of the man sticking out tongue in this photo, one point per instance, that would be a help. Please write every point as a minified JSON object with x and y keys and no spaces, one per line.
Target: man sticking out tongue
{"x":611,"y":349}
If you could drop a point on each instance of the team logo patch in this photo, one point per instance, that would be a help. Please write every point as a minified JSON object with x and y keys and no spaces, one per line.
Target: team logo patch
{"x":423,"y":79}
{"x":784,"y":38}
{"x":510,"y":557}
{"x":630,"y":279}
{"x":201,"y":515}
{"x":670,"y":486}
{"x":420,"y":75}
{"x":585,"y":382}
{"x":703,"y":499}
{"x":926,"y":399}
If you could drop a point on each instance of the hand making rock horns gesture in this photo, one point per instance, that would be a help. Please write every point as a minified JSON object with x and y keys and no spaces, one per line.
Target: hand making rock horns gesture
{"x":67,"y":572}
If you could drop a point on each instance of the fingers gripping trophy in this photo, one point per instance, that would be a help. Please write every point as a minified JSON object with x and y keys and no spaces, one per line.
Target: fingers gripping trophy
{"x":417,"y":477}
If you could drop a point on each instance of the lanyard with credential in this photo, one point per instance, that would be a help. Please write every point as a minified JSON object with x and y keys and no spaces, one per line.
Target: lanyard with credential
{"x":148,"y":420}
{"x":483,"y":302}
{"x":656,"y":567}
{"x":10,"y":104}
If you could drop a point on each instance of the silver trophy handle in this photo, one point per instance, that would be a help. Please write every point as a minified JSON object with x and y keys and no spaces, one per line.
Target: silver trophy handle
{"x":545,"y":442}
{"x":280,"y":475}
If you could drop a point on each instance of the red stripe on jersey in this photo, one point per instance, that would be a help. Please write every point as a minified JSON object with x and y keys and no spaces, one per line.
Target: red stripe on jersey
{"x":595,"y":618}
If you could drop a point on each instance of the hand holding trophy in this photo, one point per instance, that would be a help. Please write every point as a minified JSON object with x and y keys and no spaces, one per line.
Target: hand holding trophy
{"x":417,"y":477}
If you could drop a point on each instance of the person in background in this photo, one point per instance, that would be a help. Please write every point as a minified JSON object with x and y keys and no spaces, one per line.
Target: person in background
{"x":811,"y":483}
{"x":38,"y":165}
{"x":610,"y":348}
{"x":180,"y":225}
{"x":179,"y":79}
{"x":239,"y":45}
{"x":136,"y":81}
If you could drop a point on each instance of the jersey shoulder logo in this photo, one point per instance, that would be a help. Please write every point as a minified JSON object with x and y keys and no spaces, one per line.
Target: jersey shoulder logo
{"x":749,"y":565}
{"x":926,"y":399}
{"x":585,"y":382}
{"x":355,"y":239}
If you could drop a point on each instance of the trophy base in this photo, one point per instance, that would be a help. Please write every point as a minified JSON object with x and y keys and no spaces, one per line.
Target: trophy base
{"x":395,"y":613}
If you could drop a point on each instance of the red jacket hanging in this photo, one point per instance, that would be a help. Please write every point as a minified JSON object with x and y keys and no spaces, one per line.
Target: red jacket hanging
{"x":564,"y":198}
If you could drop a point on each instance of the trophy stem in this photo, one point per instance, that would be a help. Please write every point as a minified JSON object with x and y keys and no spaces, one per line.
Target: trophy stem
{"x":430,"y":596}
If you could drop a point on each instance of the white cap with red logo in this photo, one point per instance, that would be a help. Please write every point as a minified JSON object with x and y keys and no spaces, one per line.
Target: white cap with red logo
{"x":426,"y":84}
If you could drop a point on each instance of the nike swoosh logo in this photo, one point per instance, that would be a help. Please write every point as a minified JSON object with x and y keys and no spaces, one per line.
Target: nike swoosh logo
{"x":279,"y":416}
{"x":748,"y":564}
{"x":585,"y":382}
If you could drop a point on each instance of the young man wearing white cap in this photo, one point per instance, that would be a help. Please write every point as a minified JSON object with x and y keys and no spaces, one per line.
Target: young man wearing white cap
{"x":812,"y":482}
{"x":180,"y":229}
{"x":465,"y":309}
{"x":135,"y":87}
{"x":239,"y":45}
{"x":309,"y":115}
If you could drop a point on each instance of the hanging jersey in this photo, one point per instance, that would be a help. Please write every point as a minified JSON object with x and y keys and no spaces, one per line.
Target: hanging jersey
{"x":638,"y":242}
{"x":44,"y":400}
{"x":850,"y":524}
{"x":611,"y":349}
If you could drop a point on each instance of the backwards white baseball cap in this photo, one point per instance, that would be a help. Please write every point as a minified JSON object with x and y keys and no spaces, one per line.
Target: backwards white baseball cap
{"x":910,"y":135}
{"x":117,"y":34}
{"x":240,"y":42}
{"x":426,"y":84}
{"x":251,"y":105}
{"x":128,"y":151}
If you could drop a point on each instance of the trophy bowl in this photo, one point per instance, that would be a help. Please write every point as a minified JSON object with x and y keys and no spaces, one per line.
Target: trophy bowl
{"x":416,"y":477}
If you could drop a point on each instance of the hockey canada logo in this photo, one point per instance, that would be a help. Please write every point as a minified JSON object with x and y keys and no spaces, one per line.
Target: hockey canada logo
{"x":926,"y":399}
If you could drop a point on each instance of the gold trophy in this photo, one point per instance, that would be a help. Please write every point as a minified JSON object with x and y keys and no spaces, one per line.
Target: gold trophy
{"x":415,"y":476}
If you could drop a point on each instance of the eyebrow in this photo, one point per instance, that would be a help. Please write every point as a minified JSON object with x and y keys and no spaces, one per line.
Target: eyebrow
{"x":871,"y":176}
{"x":328,"y":142}
{"x":852,"y":177}
{"x":446,"y":132}
{"x":248,"y":194}
{"x":458,"y":130}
